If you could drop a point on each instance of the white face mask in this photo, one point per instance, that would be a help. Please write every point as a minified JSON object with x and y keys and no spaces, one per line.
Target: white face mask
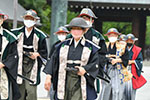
{"x":29,"y":23}
{"x":61,"y":37}
{"x":89,"y":23}
{"x":112,"y":39}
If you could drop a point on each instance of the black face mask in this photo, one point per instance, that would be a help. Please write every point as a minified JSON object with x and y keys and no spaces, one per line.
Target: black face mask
{"x":129,"y":44}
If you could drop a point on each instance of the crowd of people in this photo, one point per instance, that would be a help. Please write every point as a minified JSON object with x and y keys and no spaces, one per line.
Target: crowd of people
{"x":79,"y":63}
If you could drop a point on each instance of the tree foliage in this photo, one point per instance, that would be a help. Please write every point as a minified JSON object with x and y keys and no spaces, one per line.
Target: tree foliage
{"x":71,"y":15}
{"x":148,"y":31}
{"x":44,"y":12}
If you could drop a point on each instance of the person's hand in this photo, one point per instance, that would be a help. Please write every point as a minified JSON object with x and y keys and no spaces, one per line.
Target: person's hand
{"x":47,"y":84}
{"x":131,"y":62}
{"x":34,"y":55}
{"x":114,"y":61}
{"x":81,"y":71}
{"x":1,"y":65}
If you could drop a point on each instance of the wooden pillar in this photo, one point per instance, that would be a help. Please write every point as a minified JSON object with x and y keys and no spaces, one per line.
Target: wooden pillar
{"x":142,"y":32}
{"x":139,"y":30}
{"x":136,"y":26}
{"x":98,"y":25}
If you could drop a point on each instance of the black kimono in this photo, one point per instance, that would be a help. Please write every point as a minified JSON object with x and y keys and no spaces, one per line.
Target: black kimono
{"x":36,"y":42}
{"x":30,"y":68}
{"x":53,"y":48}
{"x":8,"y":74}
{"x":96,"y":37}
{"x":99,"y":40}
{"x":66,"y":55}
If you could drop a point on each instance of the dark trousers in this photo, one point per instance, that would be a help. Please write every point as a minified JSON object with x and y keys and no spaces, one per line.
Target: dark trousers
{"x":28,"y":91}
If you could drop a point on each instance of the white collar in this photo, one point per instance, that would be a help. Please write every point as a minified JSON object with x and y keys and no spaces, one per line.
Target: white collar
{"x":27,"y":33}
{"x":1,"y":30}
{"x":82,"y":40}
{"x":76,"y":42}
{"x":130,"y":48}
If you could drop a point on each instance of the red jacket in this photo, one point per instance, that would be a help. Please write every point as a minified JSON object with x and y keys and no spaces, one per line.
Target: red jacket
{"x":138,"y":81}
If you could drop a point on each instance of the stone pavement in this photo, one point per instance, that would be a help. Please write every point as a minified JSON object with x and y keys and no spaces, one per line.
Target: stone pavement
{"x":43,"y":99}
{"x":42,"y":93}
{"x":142,"y":94}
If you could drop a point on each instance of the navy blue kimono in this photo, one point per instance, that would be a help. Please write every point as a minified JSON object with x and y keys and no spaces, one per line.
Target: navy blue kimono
{"x":74,"y":54}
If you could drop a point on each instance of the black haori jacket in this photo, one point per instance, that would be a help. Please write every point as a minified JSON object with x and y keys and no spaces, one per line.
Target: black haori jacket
{"x":9,"y":57}
{"x":39,"y":45}
{"x":88,"y":51}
